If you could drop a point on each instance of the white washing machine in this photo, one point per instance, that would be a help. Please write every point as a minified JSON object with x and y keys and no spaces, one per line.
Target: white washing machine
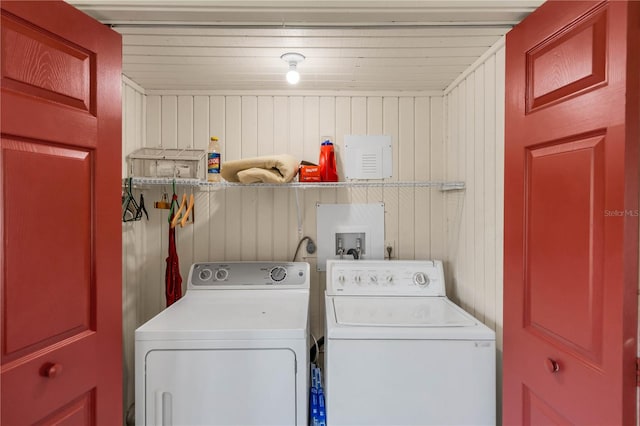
{"x":232,"y":351}
{"x":399,"y":352}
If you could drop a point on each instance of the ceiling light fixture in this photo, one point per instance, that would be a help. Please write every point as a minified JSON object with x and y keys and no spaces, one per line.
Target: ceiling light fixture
{"x":293,"y":76}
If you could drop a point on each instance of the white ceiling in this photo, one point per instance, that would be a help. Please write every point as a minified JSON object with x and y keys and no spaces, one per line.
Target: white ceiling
{"x":349,"y":45}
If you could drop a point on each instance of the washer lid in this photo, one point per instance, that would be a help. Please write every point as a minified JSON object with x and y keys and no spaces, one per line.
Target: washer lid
{"x":231,"y":314}
{"x":399,"y":312}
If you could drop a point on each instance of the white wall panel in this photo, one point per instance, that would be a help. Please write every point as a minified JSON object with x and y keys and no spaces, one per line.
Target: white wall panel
{"x":134,"y":298}
{"x":474,"y":153}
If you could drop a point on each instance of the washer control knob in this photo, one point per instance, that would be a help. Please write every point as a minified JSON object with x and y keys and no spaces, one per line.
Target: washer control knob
{"x":341,"y":279}
{"x":222,"y":274}
{"x":278,"y":273}
{"x":388,"y":279}
{"x":420,"y":279}
{"x":357,"y":279}
{"x":205,"y":274}
{"x":373,"y":279}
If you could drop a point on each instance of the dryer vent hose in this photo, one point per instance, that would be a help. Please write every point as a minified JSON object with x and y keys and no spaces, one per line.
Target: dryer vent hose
{"x":315,"y":349}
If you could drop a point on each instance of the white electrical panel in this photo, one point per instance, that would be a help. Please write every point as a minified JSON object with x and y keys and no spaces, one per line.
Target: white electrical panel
{"x":367,"y":157}
{"x":347,"y":229}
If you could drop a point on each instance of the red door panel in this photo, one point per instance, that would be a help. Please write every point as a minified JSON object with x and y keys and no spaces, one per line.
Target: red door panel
{"x":78,"y":412}
{"x":563,"y":286}
{"x":52,"y":77}
{"x":60,"y":151}
{"x":569,"y":63}
{"x":571,"y":163}
{"x":61,"y":244}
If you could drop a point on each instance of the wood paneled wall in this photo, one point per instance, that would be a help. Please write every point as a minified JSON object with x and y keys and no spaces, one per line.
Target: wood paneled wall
{"x":133,"y":252}
{"x":475,"y":154}
{"x":263,"y":224}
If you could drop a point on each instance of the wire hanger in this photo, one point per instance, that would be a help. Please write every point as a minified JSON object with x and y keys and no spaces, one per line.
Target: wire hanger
{"x":142,"y":208}
{"x":131,"y":210}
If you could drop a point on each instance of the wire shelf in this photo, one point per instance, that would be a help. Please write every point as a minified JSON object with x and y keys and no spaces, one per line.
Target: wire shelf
{"x":204,"y":185}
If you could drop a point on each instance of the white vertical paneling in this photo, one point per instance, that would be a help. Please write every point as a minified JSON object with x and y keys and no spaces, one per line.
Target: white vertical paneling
{"x":281,"y":229}
{"x":479,"y":195}
{"x":489,"y":177}
{"x":475,"y":154}
{"x":461,"y":269}
{"x":217,"y":199}
{"x":358,"y":127}
{"x":184,"y":235}
{"x":265,"y":211}
{"x":185,"y":121}
{"x":438,"y":239}
{"x":499,"y":197}
{"x":311,"y":151}
{"x":153,"y":121}
{"x":201,"y":137}
{"x":406,"y":155}
{"x":297,"y":149}
{"x":249,"y":149}
{"x":422,"y":168}
{"x":374,"y":127}
{"x":128,"y":126}
{"x":133,"y":235}
{"x":169,"y":123}
{"x":453,"y":199}
{"x":390,"y":124}
{"x":311,"y":196}
{"x":233,"y":202}
{"x":156,"y":242}
{"x":328,"y":127}
{"x":343,"y":127}
{"x":499,"y":204}
{"x":469,"y":205}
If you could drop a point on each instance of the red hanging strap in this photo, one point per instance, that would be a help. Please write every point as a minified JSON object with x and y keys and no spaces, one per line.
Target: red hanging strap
{"x":173,"y":279}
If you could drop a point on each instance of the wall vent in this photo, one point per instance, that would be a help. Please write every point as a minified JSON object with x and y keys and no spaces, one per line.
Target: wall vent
{"x":367,"y":157}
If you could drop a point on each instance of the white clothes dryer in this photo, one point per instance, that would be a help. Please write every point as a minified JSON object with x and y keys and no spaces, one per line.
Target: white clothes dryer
{"x":399,"y":352}
{"x":232,"y":351}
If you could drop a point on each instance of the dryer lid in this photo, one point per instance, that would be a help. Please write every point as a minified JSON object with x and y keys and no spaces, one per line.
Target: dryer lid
{"x":400,"y":312}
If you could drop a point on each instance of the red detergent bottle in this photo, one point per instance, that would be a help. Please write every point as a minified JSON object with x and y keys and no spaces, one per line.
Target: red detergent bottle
{"x":327,"y":163}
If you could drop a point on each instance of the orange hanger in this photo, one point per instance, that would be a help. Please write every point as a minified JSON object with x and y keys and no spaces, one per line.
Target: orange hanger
{"x":176,"y":217}
{"x":189,"y":210}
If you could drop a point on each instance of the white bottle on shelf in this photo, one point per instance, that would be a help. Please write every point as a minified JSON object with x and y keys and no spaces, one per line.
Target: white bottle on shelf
{"x":214,"y":160}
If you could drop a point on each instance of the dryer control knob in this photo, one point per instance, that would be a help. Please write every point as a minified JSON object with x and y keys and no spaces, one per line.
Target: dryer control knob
{"x":373,"y":279}
{"x":278,"y":273}
{"x":389,"y":279}
{"x":222,"y":274}
{"x":420,"y":279}
{"x":205,"y":274}
{"x":341,"y":279}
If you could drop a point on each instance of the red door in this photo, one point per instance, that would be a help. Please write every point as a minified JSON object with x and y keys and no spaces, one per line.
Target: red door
{"x":571,"y":215}
{"x":61,"y":252}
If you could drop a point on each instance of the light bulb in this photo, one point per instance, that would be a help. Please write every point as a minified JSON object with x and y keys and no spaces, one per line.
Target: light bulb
{"x":293,"y":76}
